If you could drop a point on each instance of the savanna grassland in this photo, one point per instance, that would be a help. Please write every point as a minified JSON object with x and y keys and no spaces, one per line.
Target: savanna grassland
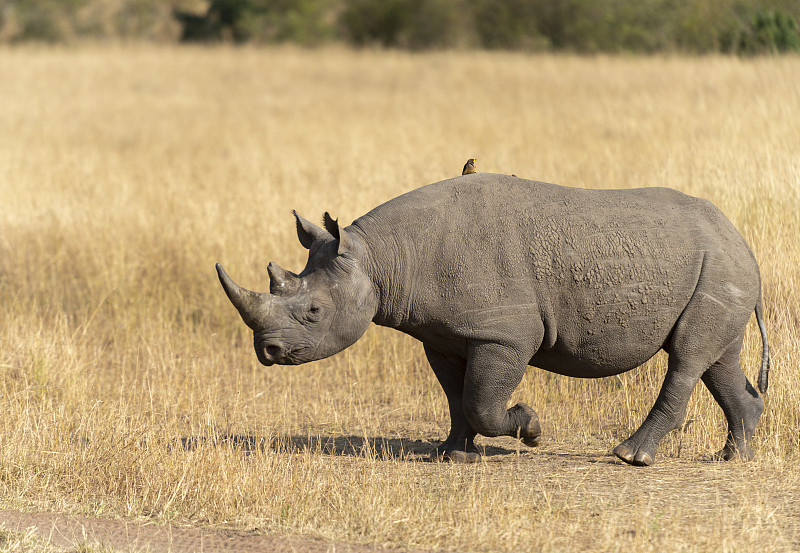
{"x":128,"y":384}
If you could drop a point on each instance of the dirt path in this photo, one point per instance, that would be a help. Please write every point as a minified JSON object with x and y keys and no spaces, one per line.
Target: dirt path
{"x":591,"y":500}
{"x":71,"y":530}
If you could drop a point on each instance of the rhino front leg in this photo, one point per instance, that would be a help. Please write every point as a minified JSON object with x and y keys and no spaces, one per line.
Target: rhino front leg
{"x":493,"y":373}
{"x":459,"y":446}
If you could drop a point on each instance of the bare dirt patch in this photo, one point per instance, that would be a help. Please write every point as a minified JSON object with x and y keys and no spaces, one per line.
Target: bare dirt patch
{"x":66,"y":530}
{"x":710,"y":502}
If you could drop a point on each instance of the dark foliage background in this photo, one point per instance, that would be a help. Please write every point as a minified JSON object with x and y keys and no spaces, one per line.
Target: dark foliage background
{"x":745,"y":27}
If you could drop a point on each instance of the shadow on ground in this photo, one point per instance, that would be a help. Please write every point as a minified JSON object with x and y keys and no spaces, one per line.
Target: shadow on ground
{"x":337,"y":446}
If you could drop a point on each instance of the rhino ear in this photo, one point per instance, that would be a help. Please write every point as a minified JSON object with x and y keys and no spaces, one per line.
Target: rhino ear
{"x":308,"y":232}
{"x":338,"y":233}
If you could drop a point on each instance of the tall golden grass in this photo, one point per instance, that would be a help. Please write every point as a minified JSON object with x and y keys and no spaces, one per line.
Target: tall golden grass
{"x":128,"y":384}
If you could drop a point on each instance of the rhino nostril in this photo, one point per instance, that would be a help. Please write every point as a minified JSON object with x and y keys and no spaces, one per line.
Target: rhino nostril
{"x":271,"y":352}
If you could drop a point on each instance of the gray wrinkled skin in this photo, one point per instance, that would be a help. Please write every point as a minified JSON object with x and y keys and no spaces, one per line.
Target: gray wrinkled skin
{"x":494,"y":273}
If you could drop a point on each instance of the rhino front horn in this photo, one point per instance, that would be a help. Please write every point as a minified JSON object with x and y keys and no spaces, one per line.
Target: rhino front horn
{"x":252,"y":306}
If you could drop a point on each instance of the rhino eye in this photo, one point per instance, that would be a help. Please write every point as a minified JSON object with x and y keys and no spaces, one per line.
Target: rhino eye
{"x":314,"y":313}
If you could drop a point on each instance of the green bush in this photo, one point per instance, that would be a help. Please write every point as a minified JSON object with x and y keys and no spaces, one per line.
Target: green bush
{"x":372,"y":22}
{"x":412,"y":24}
{"x":41,"y":20}
{"x":771,"y":32}
{"x":57,"y":21}
{"x":304,"y":22}
{"x":509,"y":25}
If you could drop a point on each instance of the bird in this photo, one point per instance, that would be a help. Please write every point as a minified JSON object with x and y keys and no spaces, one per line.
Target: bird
{"x":469,"y":167}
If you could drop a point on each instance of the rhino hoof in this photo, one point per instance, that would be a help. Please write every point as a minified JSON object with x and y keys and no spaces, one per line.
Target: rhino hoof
{"x":529,"y":432}
{"x":639,"y":458}
{"x":456,"y":456}
{"x":531,"y":442}
{"x":732,"y":453}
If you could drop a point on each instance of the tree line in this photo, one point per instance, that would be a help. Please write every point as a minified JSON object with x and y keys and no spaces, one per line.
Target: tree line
{"x":744,"y":27}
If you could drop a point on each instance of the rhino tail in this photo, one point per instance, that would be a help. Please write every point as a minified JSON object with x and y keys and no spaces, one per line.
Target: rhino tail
{"x":763,"y":374}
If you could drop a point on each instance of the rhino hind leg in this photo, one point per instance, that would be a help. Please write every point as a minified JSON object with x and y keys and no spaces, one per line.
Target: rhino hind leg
{"x":739,"y":400}
{"x":706,"y":337}
{"x":667,"y":413}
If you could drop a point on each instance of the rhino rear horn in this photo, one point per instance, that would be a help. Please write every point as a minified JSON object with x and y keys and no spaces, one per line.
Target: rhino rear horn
{"x":252,"y":306}
{"x":281,"y":281}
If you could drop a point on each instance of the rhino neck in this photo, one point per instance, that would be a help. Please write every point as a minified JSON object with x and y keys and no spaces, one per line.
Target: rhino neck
{"x":390,"y":266}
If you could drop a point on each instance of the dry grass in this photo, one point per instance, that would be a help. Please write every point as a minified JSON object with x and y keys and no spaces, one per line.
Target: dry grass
{"x":25,"y":542}
{"x":128,"y":384}
{"x":29,"y":542}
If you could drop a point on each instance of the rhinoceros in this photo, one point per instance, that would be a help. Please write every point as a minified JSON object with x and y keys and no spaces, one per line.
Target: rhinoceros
{"x":493,"y":273}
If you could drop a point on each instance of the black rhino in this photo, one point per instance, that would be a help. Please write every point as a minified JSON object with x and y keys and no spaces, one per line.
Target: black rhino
{"x":494,"y":273}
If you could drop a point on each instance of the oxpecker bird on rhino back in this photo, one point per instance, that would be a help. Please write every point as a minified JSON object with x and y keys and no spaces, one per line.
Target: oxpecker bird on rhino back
{"x":494,"y":273}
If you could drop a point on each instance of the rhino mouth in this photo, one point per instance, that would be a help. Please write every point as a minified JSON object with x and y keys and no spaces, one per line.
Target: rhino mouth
{"x":274,"y":351}
{"x":269,"y":354}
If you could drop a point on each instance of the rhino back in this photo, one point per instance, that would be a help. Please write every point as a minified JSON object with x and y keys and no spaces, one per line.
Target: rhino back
{"x":492,"y":257}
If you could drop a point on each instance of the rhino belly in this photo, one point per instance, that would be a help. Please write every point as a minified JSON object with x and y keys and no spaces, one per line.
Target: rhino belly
{"x":606,"y":346}
{"x":592,"y":361}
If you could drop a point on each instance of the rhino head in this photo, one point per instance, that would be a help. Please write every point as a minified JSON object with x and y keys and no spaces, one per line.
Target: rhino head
{"x":317,"y":313}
